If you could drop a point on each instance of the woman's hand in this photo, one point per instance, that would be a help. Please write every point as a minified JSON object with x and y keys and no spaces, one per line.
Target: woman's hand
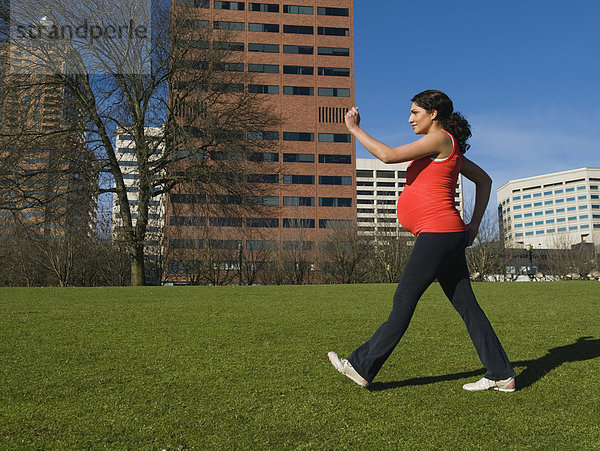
{"x":352,"y":119}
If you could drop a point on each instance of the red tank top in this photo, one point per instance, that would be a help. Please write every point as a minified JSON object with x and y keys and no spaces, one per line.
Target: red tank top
{"x":427,"y":201}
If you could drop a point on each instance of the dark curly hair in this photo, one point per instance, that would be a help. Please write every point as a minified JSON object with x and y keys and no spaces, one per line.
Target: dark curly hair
{"x":452,"y":121}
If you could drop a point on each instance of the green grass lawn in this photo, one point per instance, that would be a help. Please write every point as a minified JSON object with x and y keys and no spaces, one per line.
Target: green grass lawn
{"x":247,"y":368}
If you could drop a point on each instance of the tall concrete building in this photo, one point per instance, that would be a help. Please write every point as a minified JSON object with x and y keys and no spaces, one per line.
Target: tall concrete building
{"x":301,"y":55}
{"x":378,"y":186}
{"x":551,"y":211}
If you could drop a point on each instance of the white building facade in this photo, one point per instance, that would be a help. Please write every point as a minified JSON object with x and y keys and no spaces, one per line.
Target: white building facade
{"x":551,"y":211}
{"x":378,"y":186}
{"x":125,"y":147}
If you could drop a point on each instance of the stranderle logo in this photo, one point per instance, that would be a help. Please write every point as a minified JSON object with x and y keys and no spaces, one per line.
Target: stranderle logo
{"x":85,"y":31}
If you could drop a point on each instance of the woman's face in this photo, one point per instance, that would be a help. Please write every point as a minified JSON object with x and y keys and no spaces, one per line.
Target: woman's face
{"x":420,"y":119}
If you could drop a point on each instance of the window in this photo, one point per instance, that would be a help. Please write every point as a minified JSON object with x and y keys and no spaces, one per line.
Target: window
{"x":264,"y":7}
{"x":298,"y":136}
{"x":186,"y":243}
{"x":298,"y":245}
{"x":386,"y":174}
{"x":298,"y":157}
{"x":335,"y":202}
{"x":537,"y":204}
{"x":334,"y":224}
{"x":334,"y":51}
{"x":233,"y":6}
{"x":298,"y":49}
{"x":262,"y":244}
{"x":298,"y":29}
{"x":262,"y":222}
{"x":295,"y":201}
{"x":263,"y":89}
{"x":264,"y":156}
{"x":264,"y":135}
{"x":299,"y":90}
{"x":263,"y":200}
{"x":335,"y":180}
{"x":225,"y":200}
{"x":264,"y":27}
{"x":334,"y":92}
{"x":537,"y":195}
{"x":192,"y":23}
{"x":335,"y":159}
{"x":526,"y":205}
{"x":569,"y":190}
{"x":334,"y":137}
{"x":264,"y":48}
{"x":332,"y":31}
{"x":548,"y":202}
{"x":299,"y":179}
{"x":225,"y":222}
{"x":362,"y":192}
{"x":294,"y":9}
{"x":364,"y":173}
{"x":263,"y":178}
{"x":516,"y":198}
{"x":334,"y":71}
{"x":295,"y":223}
{"x":225,"y":244}
{"x":581,"y":197}
{"x":264,"y":68}
{"x":299,"y":70}
{"x":234,"y":26}
{"x":527,"y":196}
{"x":344,"y":12}
{"x":229,"y":67}
{"x":549,"y":221}
{"x":194,"y":3}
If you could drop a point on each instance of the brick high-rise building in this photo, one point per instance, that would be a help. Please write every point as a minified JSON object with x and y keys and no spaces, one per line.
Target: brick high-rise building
{"x":301,"y":55}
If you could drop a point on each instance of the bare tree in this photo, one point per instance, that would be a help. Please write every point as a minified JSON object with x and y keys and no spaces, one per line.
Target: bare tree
{"x":343,"y":255}
{"x":388,"y":254}
{"x":183,"y":76}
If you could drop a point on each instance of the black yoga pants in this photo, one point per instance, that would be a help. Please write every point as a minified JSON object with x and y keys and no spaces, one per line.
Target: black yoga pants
{"x":441,"y":256}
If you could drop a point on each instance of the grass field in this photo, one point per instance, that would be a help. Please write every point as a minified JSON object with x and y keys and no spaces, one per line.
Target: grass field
{"x":246,"y":368}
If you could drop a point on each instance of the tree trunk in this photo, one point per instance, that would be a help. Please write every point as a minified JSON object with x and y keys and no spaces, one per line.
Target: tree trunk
{"x":137,"y":266}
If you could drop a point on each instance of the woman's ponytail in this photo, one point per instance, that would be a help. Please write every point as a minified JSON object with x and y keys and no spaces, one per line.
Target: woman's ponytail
{"x":459,"y":127}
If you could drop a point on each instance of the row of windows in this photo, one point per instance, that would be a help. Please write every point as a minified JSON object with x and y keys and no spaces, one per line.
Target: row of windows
{"x":552,"y":202}
{"x":265,"y":48}
{"x":264,"y":7}
{"x":288,"y":201}
{"x":288,"y":223}
{"x":571,"y":189}
{"x":270,"y":69}
{"x":300,"y":179}
{"x":380,"y":174}
{"x":573,"y":228}
{"x":555,"y":211}
{"x":552,"y":221}
{"x":300,"y":136}
{"x":274,"y":28}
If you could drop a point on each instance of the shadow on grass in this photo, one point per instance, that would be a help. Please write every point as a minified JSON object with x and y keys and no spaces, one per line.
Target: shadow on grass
{"x":583,"y":349}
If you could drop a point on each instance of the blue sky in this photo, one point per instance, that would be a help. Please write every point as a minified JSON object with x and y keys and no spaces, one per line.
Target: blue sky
{"x":526,"y":74}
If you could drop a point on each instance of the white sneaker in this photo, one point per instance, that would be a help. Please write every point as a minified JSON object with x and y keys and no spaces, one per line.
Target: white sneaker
{"x":488,"y":384}
{"x":344,"y":367}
